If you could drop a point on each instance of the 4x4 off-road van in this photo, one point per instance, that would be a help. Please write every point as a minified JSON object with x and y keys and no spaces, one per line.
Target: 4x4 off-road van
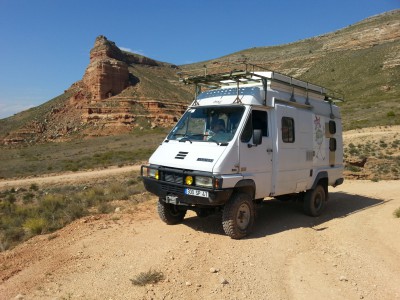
{"x":249,"y":135}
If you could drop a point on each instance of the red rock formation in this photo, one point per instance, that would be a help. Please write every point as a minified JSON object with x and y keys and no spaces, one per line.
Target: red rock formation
{"x":107,"y":74}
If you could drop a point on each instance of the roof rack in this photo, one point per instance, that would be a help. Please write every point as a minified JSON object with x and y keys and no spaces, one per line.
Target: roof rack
{"x":245,"y":73}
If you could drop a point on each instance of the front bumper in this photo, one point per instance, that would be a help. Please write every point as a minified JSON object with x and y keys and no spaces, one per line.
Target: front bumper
{"x":175,"y":192}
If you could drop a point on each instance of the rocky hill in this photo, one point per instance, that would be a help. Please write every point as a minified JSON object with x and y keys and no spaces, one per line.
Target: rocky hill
{"x":121,"y":91}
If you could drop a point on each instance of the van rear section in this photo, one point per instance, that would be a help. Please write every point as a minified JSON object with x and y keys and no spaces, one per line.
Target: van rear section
{"x":250,"y":135}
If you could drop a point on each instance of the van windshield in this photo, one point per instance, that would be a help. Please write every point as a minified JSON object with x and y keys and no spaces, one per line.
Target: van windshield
{"x":208,"y":124}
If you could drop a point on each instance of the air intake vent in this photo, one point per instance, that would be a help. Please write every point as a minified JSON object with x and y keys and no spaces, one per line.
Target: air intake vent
{"x":181,"y":155}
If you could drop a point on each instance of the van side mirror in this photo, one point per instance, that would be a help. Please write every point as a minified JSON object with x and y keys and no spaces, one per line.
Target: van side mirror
{"x":257,"y":138}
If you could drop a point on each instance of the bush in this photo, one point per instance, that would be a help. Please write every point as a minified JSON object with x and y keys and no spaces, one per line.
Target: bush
{"x":104,"y":208}
{"x":148,"y":277}
{"x":397,"y":213}
{"x":35,"y":225}
{"x":28,"y":198}
{"x":34,"y":187}
{"x":353,"y":168}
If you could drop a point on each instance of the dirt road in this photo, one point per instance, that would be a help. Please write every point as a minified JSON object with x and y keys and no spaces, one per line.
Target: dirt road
{"x":67,"y":178}
{"x":351,"y":252}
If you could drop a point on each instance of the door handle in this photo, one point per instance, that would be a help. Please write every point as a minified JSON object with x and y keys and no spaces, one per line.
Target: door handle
{"x":269,"y":150}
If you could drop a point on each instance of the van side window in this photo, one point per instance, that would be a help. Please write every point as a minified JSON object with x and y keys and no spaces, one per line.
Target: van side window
{"x":247,"y":131}
{"x":260,"y":121}
{"x":257,"y":120}
{"x":332,"y":127}
{"x":287,"y":130}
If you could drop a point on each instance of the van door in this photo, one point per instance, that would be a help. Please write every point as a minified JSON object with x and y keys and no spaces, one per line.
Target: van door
{"x":294,"y":141}
{"x":256,"y":161}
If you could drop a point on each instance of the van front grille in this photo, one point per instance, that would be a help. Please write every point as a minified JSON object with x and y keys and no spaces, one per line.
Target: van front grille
{"x":173,"y":178}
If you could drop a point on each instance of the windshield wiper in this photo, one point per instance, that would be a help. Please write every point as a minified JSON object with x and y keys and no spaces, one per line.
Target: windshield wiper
{"x":184,"y":139}
{"x":218,"y":143}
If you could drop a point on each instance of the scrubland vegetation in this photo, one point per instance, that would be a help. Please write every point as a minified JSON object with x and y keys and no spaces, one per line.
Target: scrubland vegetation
{"x":26,"y":212}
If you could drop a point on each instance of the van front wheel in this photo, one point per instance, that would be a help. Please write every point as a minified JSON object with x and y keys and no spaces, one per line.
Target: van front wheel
{"x":238,"y":216}
{"x":315,"y":201}
{"x":170,"y":213}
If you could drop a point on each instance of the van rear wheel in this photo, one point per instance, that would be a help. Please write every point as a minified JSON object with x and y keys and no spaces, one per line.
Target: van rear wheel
{"x":238,"y":216}
{"x":315,"y":201}
{"x":170,"y":213}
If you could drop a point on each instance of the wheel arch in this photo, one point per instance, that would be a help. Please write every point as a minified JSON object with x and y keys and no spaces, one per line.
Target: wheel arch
{"x":247,"y":186}
{"x":322,"y":179}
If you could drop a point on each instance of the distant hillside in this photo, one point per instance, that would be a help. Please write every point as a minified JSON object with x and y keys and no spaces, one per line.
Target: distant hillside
{"x":362,"y":61}
{"x":122,"y":91}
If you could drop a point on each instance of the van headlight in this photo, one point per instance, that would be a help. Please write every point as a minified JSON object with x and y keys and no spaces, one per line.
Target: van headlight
{"x":153,"y":173}
{"x":204,"y":181}
{"x":189,"y":180}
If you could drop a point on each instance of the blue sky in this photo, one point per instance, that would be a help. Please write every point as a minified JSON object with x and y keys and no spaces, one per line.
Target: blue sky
{"x":45,"y":44}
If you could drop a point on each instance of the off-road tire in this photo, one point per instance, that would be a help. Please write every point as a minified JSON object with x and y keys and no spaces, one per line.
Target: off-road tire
{"x":169,"y":213}
{"x":238,"y":216}
{"x":315,"y":201}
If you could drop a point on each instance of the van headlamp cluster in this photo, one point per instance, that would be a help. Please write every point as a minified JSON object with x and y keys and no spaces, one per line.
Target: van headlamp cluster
{"x":202,"y":181}
{"x":153,"y":173}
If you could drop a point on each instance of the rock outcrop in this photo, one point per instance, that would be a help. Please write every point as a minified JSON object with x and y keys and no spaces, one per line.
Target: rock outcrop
{"x":107,"y":74}
{"x":109,"y":99}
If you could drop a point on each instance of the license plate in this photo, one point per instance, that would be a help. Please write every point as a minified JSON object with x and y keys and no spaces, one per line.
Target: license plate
{"x":197,"y":193}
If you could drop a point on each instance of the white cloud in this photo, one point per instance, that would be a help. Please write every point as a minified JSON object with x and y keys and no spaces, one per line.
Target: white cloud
{"x":126,"y":49}
{"x":140,"y":52}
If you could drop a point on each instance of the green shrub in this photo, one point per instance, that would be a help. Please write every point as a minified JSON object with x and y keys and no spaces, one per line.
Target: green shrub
{"x":396,"y":213}
{"x":28,"y":198}
{"x":104,"y":208}
{"x":11,"y":198}
{"x":34,"y":187}
{"x":35,"y":225}
{"x":353,"y":168}
{"x":75,"y":210}
{"x":391,"y":114}
{"x":91,"y":196}
{"x":52,"y":203}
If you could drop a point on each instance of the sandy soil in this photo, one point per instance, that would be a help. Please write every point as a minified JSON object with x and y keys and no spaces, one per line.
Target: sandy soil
{"x":351,"y":252}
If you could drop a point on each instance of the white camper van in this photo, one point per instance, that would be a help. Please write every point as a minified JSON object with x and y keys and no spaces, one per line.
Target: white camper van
{"x":248,"y":136}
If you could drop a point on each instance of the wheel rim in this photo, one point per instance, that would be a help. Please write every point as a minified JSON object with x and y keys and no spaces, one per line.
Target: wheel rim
{"x":318,"y":201}
{"x":243,"y":216}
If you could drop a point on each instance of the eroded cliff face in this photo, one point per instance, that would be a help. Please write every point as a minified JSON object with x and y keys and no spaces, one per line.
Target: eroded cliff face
{"x":107,"y":74}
